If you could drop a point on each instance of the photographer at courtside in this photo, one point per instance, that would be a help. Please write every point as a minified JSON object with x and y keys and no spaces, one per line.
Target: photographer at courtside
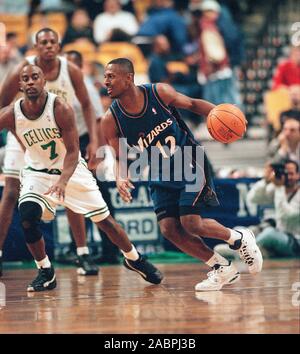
{"x":280,"y":188}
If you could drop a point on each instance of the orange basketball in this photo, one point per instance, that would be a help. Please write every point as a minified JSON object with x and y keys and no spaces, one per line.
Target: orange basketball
{"x":226,"y":123}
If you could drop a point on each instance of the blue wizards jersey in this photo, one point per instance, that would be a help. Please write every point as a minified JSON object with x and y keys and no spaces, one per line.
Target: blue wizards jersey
{"x":156,"y":127}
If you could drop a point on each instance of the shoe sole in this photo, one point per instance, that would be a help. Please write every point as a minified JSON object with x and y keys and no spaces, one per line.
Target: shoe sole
{"x":81,"y":271}
{"x":128,"y":266}
{"x":233,"y":280}
{"x":143,"y":275}
{"x":51,"y":286}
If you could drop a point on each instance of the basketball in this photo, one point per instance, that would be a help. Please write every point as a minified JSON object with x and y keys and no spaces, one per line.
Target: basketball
{"x":226,"y":123}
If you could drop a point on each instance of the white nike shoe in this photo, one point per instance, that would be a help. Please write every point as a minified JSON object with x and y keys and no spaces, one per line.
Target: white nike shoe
{"x":249,"y":251}
{"x":220,"y":275}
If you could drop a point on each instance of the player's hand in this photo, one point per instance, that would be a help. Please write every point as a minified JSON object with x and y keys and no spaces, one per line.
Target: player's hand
{"x":90,"y":155}
{"x":57,"y":190}
{"x":124,"y":186}
{"x":284,"y":146}
{"x":268,"y":173}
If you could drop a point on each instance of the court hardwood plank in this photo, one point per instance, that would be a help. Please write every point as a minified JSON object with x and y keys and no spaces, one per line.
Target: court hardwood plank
{"x":119,"y":301}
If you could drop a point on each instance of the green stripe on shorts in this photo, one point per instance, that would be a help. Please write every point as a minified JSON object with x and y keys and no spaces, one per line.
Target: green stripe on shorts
{"x":11,"y":172}
{"x":96,"y":212}
{"x":38,"y":197}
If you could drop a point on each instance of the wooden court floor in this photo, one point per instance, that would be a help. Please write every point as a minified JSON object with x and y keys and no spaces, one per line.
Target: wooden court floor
{"x":119,"y":301}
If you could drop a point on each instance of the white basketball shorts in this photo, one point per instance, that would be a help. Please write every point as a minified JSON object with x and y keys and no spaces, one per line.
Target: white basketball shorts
{"x":14,"y":157}
{"x":82,"y":194}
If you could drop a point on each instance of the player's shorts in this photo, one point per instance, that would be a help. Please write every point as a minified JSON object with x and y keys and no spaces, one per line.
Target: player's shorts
{"x":14,"y":157}
{"x":82,"y":194}
{"x":170,"y":202}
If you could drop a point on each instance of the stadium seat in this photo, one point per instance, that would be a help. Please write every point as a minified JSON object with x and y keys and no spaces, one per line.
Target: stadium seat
{"x":276,"y":101}
{"x":17,"y":24}
{"x":111,"y":50}
{"x":83,"y":46}
{"x":56,"y":21}
{"x":178,"y":67}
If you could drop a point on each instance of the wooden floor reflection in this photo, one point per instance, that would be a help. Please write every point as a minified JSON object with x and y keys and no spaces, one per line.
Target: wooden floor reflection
{"x":119,"y":301}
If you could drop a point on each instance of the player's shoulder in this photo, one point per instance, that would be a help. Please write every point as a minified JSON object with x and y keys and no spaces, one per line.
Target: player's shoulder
{"x":72,"y":68}
{"x":60,"y":106}
{"x":107,"y":117}
{"x":7,"y":116}
{"x":163,"y":88}
{"x":8,"y":110}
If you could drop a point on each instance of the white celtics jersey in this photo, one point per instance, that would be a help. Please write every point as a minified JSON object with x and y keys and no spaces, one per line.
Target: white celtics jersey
{"x":62,"y":86}
{"x":41,"y":137}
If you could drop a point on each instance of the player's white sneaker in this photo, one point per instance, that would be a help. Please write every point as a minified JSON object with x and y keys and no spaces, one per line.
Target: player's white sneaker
{"x":248,"y":250}
{"x":220,"y":275}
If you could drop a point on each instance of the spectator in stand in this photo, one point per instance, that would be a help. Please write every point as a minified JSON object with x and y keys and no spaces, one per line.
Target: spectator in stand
{"x":160,"y":71}
{"x":294,"y":111}
{"x":10,"y":56}
{"x":95,"y":7}
{"x":114,"y":18}
{"x":287,"y":144}
{"x":232,"y":36}
{"x":287,"y":72}
{"x":278,"y":235}
{"x":283,"y":238}
{"x":48,"y":6}
{"x":80,"y":27}
{"x":163,"y":19}
{"x":228,"y":28}
{"x":215,"y":72}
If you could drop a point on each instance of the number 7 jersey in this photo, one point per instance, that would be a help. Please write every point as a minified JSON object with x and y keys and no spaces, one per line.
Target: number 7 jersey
{"x":41,"y":137}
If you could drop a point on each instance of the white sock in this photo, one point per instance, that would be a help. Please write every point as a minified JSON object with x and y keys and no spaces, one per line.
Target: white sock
{"x":82,"y":250}
{"x":234,"y":235}
{"x":132,"y":255}
{"x":44,"y":263}
{"x":217,"y":259}
{"x":0,"y":253}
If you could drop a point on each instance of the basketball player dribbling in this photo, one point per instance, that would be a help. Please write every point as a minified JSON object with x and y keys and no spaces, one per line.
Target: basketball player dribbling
{"x":138,"y":112}
{"x":55,"y":173}
{"x":64,"y":79}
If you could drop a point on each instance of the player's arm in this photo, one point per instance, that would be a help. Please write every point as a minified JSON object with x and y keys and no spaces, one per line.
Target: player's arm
{"x":87,"y":109}
{"x":171,"y":97}
{"x":65,"y":119}
{"x":10,"y":86}
{"x":108,"y":125}
{"x":7,"y":120}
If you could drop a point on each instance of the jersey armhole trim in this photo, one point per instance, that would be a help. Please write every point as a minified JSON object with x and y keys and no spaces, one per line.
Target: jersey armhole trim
{"x":117,"y":121}
{"x":159,"y":100}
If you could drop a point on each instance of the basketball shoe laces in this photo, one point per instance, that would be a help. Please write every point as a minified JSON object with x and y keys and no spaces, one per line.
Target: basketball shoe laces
{"x":245,"y":255}
{"x":42,"y":277}
{"x":214,"y":273}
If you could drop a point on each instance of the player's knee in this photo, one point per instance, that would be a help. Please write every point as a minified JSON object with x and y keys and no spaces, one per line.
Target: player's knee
{"x":192,"y":224}
{"x":168,"y":228}
{"x":30,"y":215}
{"x":107,"y":225}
